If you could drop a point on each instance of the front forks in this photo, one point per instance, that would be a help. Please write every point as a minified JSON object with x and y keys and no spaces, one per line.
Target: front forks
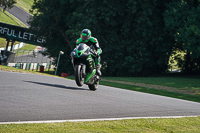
{"x":83,"y":70}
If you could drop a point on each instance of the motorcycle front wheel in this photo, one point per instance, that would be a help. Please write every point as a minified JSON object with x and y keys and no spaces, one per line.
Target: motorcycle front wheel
{"x":79,"y":75}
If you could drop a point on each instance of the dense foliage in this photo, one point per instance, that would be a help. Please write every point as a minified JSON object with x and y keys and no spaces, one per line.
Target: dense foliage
{"x":7,"y":4}
{"x":182,"y":22}
{"x":137,"y":37}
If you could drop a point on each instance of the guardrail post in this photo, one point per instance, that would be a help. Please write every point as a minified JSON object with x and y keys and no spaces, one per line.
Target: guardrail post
{"x":60,"y":53}
{"x":12,"y":45}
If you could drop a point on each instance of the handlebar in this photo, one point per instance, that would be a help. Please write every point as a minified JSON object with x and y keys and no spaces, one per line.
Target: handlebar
{"x":93,"y":52}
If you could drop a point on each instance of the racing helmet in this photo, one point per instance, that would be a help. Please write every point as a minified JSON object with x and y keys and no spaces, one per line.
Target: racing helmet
{"x":85,"y":34}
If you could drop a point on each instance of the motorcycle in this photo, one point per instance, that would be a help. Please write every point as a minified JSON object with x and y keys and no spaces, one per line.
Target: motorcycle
{"x":84,"y":66}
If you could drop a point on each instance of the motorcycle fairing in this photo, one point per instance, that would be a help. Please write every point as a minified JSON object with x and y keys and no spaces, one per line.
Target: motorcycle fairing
{"x":89,"y":76}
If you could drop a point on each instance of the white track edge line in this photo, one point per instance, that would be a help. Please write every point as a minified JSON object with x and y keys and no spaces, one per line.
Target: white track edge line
{"x":87,"y":120}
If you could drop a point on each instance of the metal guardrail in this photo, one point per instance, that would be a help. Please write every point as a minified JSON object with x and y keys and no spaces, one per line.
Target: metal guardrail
{"x":27,"y":59}
{"x":30,"y":56}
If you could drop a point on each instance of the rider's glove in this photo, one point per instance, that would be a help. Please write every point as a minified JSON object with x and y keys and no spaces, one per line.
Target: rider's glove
{"x":99,"y":51}
{"x":96,"y":53}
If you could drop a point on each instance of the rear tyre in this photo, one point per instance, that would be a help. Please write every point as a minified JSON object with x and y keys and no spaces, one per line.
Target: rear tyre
{"x":94,"y":86}
{"x":79,"y":75}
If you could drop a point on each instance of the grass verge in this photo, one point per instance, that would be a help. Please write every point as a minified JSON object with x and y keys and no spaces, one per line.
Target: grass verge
{"x":189,"y":97}
{"x":27,"y":49}
{"x":171,"y":81}
{"x":25,"y":4}
{"x":187,"y":124}
{"x":184,"y":84}
{"x":5,"y":17}
{"x":12,"y":69}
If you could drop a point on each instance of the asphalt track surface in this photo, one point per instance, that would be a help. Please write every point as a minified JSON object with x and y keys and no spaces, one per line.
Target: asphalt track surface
{"x":29,"y":97}
{"x":20,"y":14}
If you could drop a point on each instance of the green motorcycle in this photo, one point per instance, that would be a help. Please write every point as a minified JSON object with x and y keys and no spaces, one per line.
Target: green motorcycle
{"x":84,"y":66}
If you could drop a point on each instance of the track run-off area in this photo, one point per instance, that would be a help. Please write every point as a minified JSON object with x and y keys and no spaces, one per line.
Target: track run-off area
{"x":33,"y":98}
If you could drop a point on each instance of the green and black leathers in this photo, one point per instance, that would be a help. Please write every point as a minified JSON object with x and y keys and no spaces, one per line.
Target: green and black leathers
{"x":93,"y":43}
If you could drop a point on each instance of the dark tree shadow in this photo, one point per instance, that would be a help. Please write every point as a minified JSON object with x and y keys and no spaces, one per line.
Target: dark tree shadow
{"x":57,"y":86}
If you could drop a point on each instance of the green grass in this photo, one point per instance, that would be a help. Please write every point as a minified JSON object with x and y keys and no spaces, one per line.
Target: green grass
{"x":187,"y":88}
{"x":19,"y":23}
{"x":28,"y":48}
{"x":187,"y":125}
{"x":195,"y":98}
{"x":25,"y":4}
{"x":178,"y":82}
{"x":12,"y":69}
{"x":2,"y":42}
{"x":12,"y":20}
{"x":5,"y":19}
{"x":9,"y":20}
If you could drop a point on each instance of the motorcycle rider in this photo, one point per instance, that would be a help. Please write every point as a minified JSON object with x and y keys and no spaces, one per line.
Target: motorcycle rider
{"x":91,"y":41}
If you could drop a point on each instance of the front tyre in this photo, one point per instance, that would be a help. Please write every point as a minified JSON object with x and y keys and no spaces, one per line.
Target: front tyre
{"x":79,"y":75}
{"x":94,"y":86}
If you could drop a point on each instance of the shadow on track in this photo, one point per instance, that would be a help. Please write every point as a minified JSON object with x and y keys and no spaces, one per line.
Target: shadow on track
{"x":56,"y":85}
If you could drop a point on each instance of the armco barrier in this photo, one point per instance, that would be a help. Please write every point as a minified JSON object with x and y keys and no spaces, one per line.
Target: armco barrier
{"x":15,"y":47}
{"x":31,"y":66}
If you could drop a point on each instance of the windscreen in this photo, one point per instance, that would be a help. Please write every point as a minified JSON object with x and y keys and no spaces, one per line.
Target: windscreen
{"x":81,"y":46}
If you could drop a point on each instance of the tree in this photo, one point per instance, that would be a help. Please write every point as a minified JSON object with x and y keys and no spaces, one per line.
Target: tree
{"x":181,"y":20}
{"x":131,"y":33}
{"x":7,"y":4}
{"x":55,"y":20}
{"x":134,"y":41}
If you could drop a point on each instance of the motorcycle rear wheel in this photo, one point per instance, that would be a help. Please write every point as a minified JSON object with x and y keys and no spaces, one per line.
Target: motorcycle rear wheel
{"x":79,"y":75}
{"x":94,"y":86}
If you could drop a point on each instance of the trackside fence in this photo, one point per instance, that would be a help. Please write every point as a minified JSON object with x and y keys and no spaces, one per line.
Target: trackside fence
{"x":30,"y":60}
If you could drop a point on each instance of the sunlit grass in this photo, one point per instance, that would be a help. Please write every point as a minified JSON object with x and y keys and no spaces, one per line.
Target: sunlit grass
{"x":161,"y":92}
{"x":9,"y":20}
{"x":189,"y":124}
{"x":25,"y":4}
{"x":178,"y":82}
